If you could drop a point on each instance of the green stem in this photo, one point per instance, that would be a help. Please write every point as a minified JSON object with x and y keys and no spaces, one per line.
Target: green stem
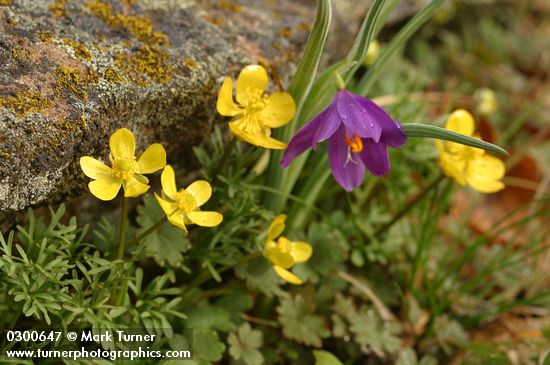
{"x":411,"y":204}
{"x":223,"y":160}
{"x":149,"y":230}
{"x":123,"y":228}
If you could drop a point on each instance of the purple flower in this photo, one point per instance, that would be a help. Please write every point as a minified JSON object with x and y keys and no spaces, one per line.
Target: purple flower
{"x":358,"y":133}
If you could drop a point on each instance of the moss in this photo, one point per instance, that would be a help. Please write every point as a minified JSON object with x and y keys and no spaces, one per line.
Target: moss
{"x":112,"y":75}
{"x":80,"y":51}
{"x":149,"y":61}
{"x":46,"y":37}
{"x":25,"y":102}
{"x":6,"y":2}
{"x":57,"y":8}
{"x":69,"y":79}
{"x":140,"y":27}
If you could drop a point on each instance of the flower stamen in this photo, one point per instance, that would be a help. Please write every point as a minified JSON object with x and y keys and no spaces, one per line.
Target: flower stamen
{"x":186,"y":201}
{"x":124,"y":168}
{"x":355,"y":145}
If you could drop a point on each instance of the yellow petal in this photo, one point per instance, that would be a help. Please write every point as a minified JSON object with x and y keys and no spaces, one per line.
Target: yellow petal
{"x":276,"y":227}
{"x":484,"y":174}
{"x":152,"y":159}
{"x":122,"y":144}
{"x":301,"y":251}
{"x":168,"y":182}
{"x":287,"y":276}
{"x":260,"y":140}
{"x":205,"y":219}
{"x":454,"y":166}
{"x":461,"y":121}
{"x":225,"y":105}
{"x":178,"y":219}
{"x":105,"y":189}
{"x":279,"y":111}
{"x":253,"y":78}
{"x":94,"y":169}
{"x":170,"y":209}
{"x":282,"y":259}
{"x":133,"y":187}
{"x":201,"y":191}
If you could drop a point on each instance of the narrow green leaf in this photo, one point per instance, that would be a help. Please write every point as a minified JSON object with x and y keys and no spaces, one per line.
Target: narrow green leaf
{"x":364,"y":38}
{"x":305,"y":74}
{"x":430,"y":131}
{"x":396,"y":43}
{"x":299,"y":89}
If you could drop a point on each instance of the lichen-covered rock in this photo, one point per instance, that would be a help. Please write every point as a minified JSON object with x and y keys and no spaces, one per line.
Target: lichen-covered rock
{"x":73,"y":71}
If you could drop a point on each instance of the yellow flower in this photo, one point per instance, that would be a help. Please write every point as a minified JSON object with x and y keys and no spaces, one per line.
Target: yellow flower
{"x":182,"y":206}
{"x":486,"y":101}
{"x":469,"y":165}
{"x":283,"y":254}
{"x":255,"y":113}
{"x":125,"y":170}
{"x":372,"y":53}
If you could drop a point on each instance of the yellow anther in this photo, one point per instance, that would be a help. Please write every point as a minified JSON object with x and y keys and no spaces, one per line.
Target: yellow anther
{"x":186,"y":201}
{"x":356,"y":145}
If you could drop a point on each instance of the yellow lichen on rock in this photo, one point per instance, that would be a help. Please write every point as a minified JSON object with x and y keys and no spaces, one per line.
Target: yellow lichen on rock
{"x":111,"y":75}
{"x":69,"y":79}
{"x":46,"y":37}
{"x":148,"y":61}
{"x":140,"y":27}
{"x":58,"y":8}
{"x":6,"y":2}
{"x":25,"y":102}
{"x":80,"y":51}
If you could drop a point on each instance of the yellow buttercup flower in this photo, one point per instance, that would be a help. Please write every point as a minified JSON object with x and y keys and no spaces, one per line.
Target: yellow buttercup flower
{"x":486,"y":101}
{"x":469,"y":165}
{"x":282,"y":253}
{"x":255,"y":113}
{"x":372,"y":53}
{"x":182,"y":206}
{"x":126,"y":171}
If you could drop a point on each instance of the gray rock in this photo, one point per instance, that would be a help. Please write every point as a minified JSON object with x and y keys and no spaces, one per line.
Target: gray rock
{"x":73,"y":71}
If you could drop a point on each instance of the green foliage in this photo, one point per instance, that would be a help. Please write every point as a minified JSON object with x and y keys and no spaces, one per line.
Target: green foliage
{"x":299,"y":322}
{"x":245,"y":344}
{"x":392,"y":278}
{"x":368,"y":330}
{"x":168,"y":243}
{"x":325,"y":358}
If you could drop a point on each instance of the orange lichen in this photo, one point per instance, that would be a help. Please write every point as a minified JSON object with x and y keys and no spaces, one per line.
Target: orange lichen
{"x":148,"y":61}
{"x":140,"y":27}
{"x":216,"y":20}
{"x":25,"y":102}
{"x":285,"y":32}
{"x":230,"y":6}
{"x":58,"y":8}
{"x":305,"y":27}
{"x":80,"y":51}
